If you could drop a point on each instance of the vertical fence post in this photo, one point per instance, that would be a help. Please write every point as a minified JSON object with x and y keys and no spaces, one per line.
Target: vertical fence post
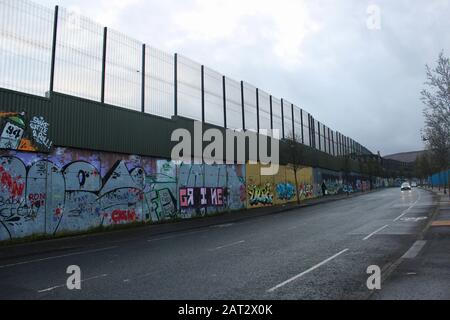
{"x":243,"y":105}
{"x":203,"y":92}
{"x":224,"y":92}
{"x":143,"y":79}
{"x":105,"y":40}
{"x":332,"y":142}
{"x":301,"y":125}
{"x":271,"y":113}
{"x":293,"y":122}
{"x":175,"y":85}
{"x":257,"y":111}
{"x":309,"y":130}
{"x":329,"y":141}
{"x":282,"y":118}
{"x":53,"y":62}
{"x":320,"y":140}
{"x":257,"y":123}
{"x":314,"y":131}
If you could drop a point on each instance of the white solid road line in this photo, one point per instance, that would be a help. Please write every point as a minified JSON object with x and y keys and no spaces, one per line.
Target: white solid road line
{"x":375,"y":232}
{"x":56,"y":257}
{"x":414,"y":250}
{"x":64,"y":285}
{"x":227,"y":245}
{"x":407,"y":210}
{"x":307,"y":271}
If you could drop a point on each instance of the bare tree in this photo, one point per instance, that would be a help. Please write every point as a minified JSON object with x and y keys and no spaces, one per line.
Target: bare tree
{"x":436,"y":97}
{"x":295,"y":157}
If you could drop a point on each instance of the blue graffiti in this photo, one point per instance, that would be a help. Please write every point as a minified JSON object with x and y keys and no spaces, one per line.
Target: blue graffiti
{"x":285,"y":191}
{"x":348,"y":188}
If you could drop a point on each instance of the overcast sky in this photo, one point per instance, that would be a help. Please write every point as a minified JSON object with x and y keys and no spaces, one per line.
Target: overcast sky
{"x":357,"y":74}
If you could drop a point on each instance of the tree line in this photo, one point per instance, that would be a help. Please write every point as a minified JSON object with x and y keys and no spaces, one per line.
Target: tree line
{"x":436,"y":132}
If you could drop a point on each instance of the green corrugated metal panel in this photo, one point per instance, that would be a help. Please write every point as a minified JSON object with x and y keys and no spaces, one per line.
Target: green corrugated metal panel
{"x":86,"y":124}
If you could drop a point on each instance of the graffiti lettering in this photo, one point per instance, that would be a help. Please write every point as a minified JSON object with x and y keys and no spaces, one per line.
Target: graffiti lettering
{"x":122,"y":216}
{"x":260,"y":195}
{"x":285,"y":191}
{"x":14,"y":188}
{"x":40,"y":129}
{"x":201,"y":197}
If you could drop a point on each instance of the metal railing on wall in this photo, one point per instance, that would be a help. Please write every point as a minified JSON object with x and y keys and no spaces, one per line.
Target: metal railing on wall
{"x":44,"y":51}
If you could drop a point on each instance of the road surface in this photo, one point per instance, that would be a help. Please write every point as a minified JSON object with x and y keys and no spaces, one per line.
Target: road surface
{"x":319,"y":252}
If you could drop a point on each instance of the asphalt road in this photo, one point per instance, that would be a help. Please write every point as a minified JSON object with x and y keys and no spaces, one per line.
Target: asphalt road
{"x":319,"y":252}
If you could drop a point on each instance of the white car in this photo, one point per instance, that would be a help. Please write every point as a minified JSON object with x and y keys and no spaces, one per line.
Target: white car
{"x":414,"y":184}
{"x":406,"y":186}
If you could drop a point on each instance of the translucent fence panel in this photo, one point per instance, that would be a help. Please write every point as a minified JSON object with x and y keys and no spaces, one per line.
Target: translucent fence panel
{"x":159,"y":82}
{"x":327,"y":140}
{"x":213,"y":82}
{"x":287,"y":112}
{"x":306,"y":133}
{"x":344,"y":145}
{"x":333,"y":143}
{"x":276,"y":116}
{"x":317,"y":136}
{"x":189,"y":75}
{"x":336,"y":145}
{"x":79,"y":54}
{"x":250,"y":109}
{"x":298,"y":124}
{"x":123,"y":81}
{"x":26,"y":33}
{"x":234,"y":104}
{"x":318,"y":128}
{"x":323,"y":146}
{"x":264,"y":110}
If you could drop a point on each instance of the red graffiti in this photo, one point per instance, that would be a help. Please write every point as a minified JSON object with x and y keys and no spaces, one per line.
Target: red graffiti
{"x":15,"y":189}
{"x":58,"y":212}
{"x":119,"y":216}
{"x":37,"y":199}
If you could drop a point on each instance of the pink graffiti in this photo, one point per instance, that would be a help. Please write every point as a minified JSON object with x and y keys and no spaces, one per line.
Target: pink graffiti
{"x":186,"y":197}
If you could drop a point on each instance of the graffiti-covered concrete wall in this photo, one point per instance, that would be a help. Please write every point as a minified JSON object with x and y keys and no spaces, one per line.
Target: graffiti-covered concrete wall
{"x":279,"y":189}
{"x":312,"y":183}
{"x":74,"y":190}
{"x":71,"y":190}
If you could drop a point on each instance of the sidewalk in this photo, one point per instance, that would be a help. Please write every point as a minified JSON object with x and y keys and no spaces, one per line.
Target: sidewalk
{"x":424,"y":274}
{"x":12,"y":250}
